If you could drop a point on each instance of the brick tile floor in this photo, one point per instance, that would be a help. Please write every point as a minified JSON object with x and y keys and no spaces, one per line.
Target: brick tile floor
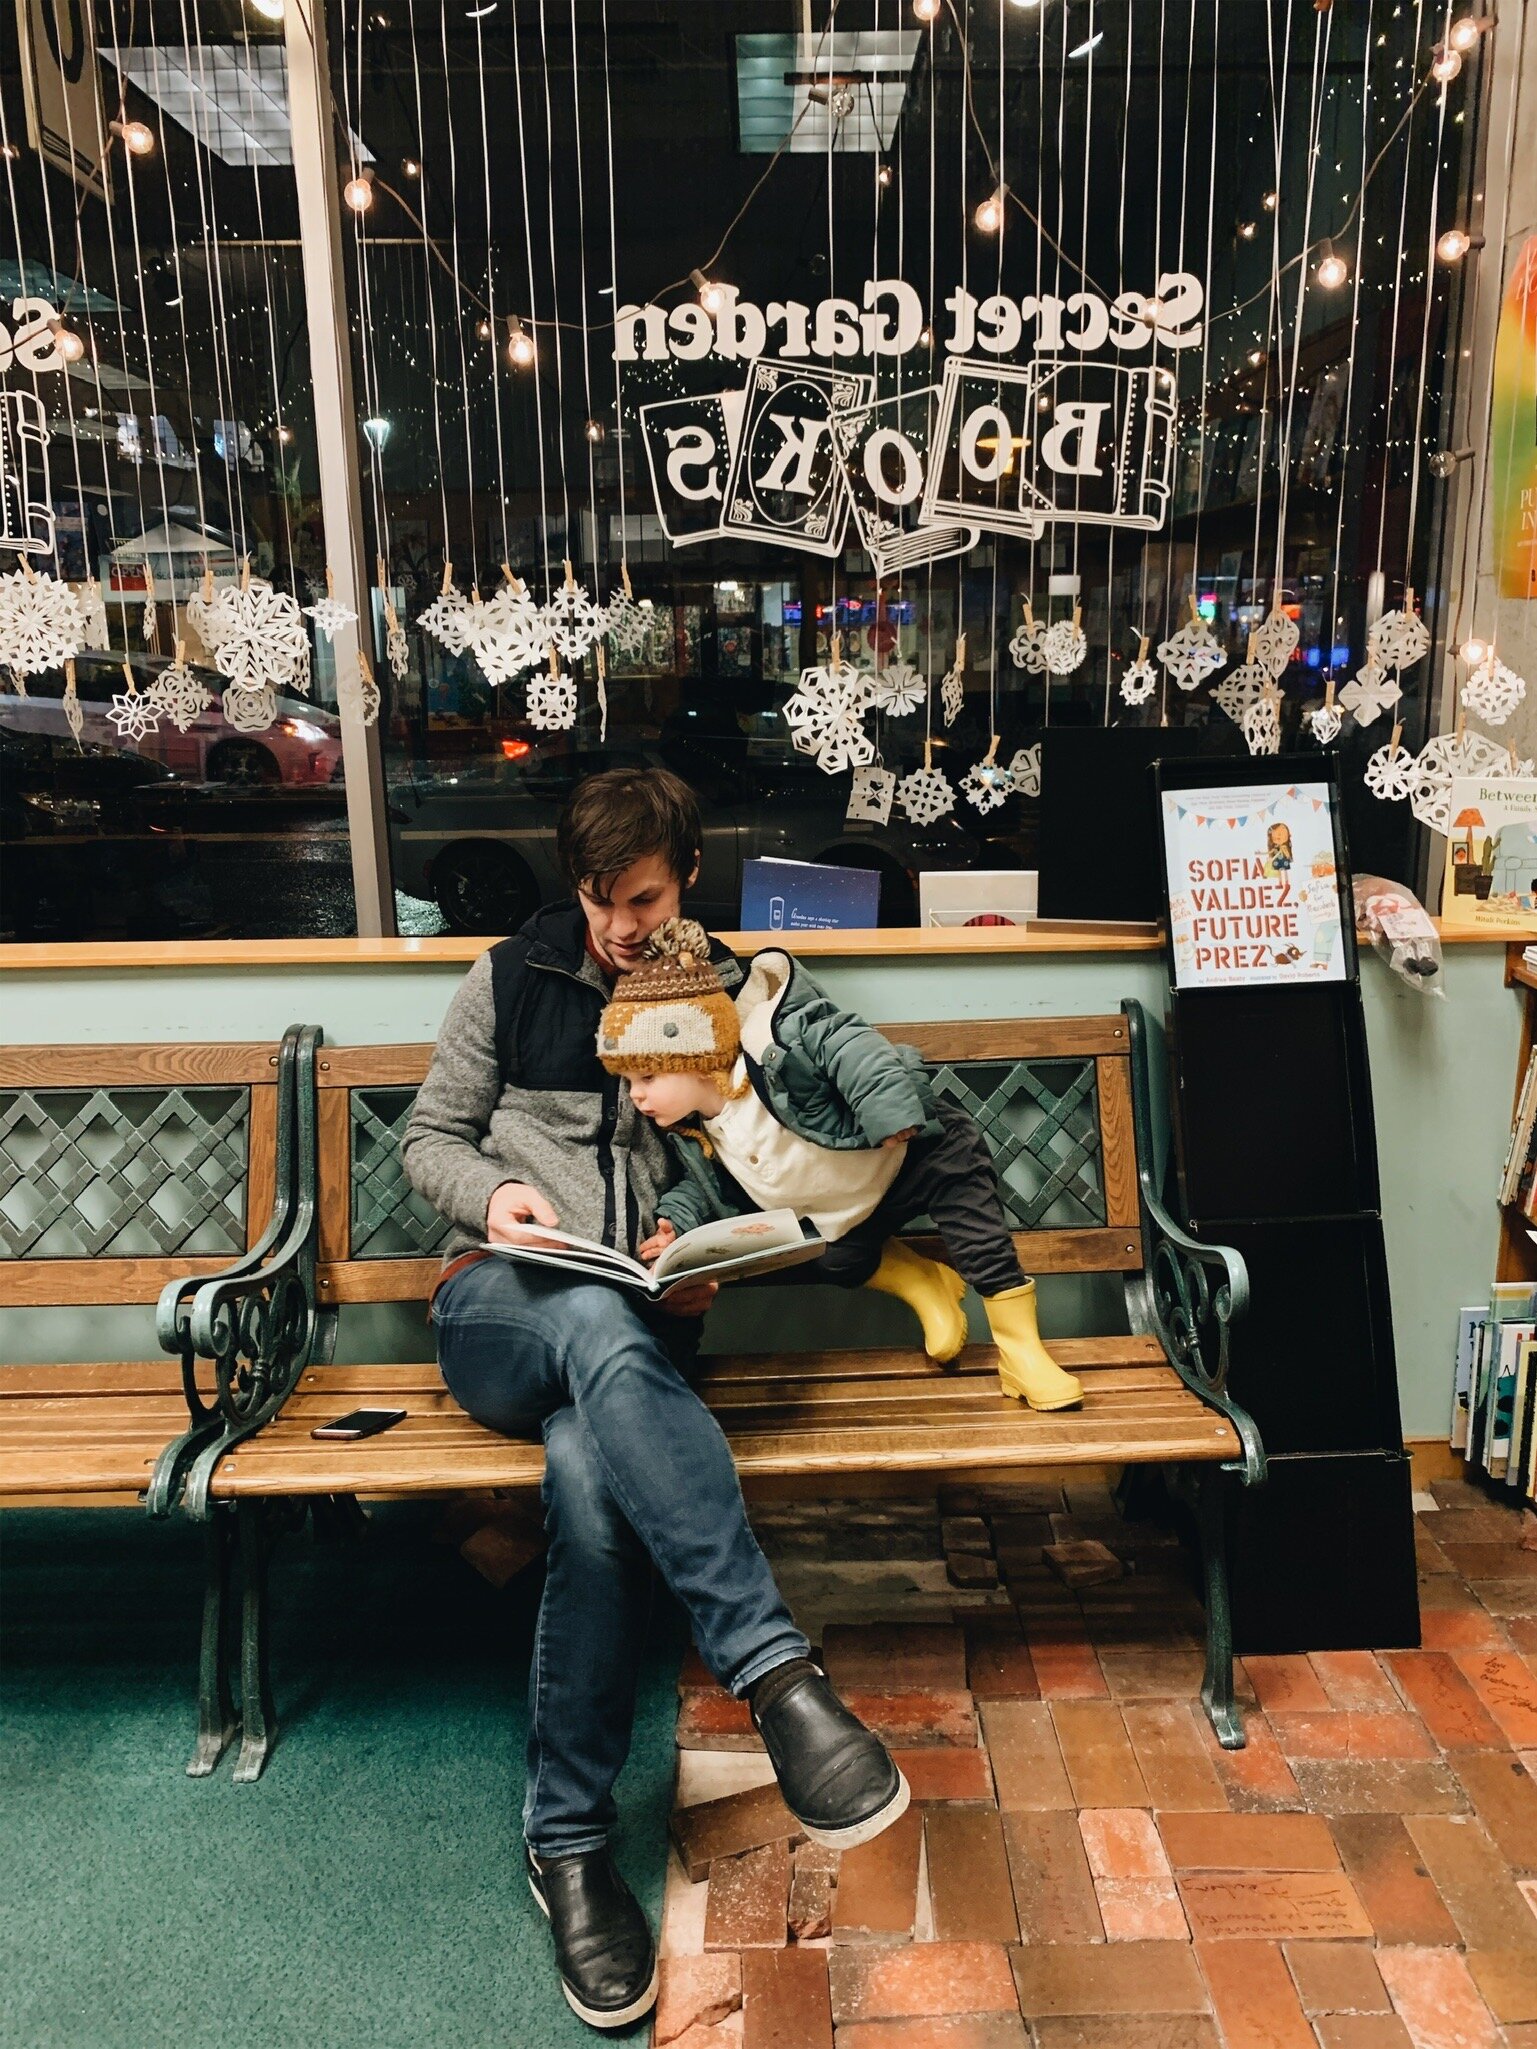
{"x":1083,"y":1866}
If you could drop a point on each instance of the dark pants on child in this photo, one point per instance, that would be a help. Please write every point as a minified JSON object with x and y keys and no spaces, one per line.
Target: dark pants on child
{"x":949,"y":1179}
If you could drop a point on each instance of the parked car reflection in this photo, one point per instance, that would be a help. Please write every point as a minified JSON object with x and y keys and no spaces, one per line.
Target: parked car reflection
{"x":303,"y":745}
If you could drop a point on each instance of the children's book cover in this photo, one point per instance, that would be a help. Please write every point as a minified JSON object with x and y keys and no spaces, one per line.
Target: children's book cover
{"x":1254,"y":893}
{"x":1491,"y":854}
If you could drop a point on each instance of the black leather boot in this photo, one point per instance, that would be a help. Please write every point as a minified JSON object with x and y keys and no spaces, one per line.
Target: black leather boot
{"x":604,"y":1949}
{"x":837,"y":1779}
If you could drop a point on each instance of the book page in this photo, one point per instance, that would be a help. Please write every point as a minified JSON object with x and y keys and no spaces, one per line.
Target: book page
{"x":729,"y":1238}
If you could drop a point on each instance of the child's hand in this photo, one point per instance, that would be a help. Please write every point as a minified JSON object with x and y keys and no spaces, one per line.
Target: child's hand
{"x":901,"y":1137}
{"x":653,"y":1247}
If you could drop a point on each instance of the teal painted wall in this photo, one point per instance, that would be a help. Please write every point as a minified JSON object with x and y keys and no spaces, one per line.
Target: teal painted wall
{"x":1443,"y":1074}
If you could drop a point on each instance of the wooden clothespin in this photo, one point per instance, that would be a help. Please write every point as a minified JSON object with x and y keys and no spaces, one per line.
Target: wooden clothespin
{"x":624,"y":577}
{"x":837,"y":647}
{"x":379,"y":570}
{"x":245,"y":572}
{"x":1394,"y":737}
{"x":181,"y":652}
{"x":992,"y":752}
{"x":570,"y":575}
{"x":515,"y":581}
{"x":1142,"y":650}
{"x":149,"y":584}
{"x":207,"y":585}
{"x":1077,"y":616}
{"x":1515,"y":759}
{"x":1249,"y":657}
{"x":960,"y":651}
{"x":133,"y":688}
{"x":1329,"y":695}
{"x":1029,"y":615}
{"x":928,"y":753}
{"x":365,"y":666}
{"x":554,"y":663}
{"x":1195,"y":613}
{"x":448,"y":577}
{"x":1462,"y":727}
{"x":28,"y":571}
{"x":69,"y":676}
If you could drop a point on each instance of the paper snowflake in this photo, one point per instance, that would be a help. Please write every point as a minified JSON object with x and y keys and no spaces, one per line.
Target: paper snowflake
{"x":1262,"y":726}
{"x":506,"y":633}
{"x":211,"y":617}
{"x":1390,"y":774}
{"x":263,"y":638}
{"x":925,"y":795}
{"x":1492,"y":692}
{"x":397,"y":651}
{"x":40,"y":623}
{"x":358,"y":696}
{"x":1240,"y":688}
{"x":551,"y":703}
{"x":1370,"y":694}
{"x":1025,"y":771}
{"x":1064,"y":647}
{"x":952,"y":695}
{"x":1139,"y":683}
{"x":1025,"y":648}
{"x":1276,"y":642}
{"x":447,"y":620}
{"x":131,"y":715}
{"x":1448,"y":755}
{"x":94,"y":630}
{"x":825,"y":714}
{"x":627,"y":625}
{"x":179,"y":694}
{"x":987,"y":784}
{"x":149,"y":623}
{"x":1325,"y":723}
{"x":898,"y":689}
{"x":330,"y":616}
{"x":1191,"y":655}
{"x":74,"y":714}
{"x":870,"y":795}
{"x":1399,"y":639}
{"x":572,"y":622}
{"x":249,"y":711}
{"x":302,"y":676}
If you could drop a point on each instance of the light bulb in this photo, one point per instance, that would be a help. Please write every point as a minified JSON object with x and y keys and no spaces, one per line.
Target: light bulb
{"x":883,"y":176}
{"x":925,"y":337}
{"x":1463,"y":35}
{"x":1445,"y":462}
{"x":1474,"y":651}
{"x":483,"y":330}
{"x":1332,"y":270}
{"x":1024,"y":3}
{"x":137,"y":137}
{"x":989,"y":215}
{"x":359,"y":191}
{"x":70,"y":345}
{"x":1445,"y":64}
{"x":927,"y":10}
{"x":520,"y":344}
{"x":1455,"y":244}
{"x":594,"y":430}
{"x":1247,"y":231}
{"x":711,"y":295}
{"x":410,"y":168}
{"x":1270,"y":201}
{"x":269,"y":10}
{"x":1256,"y":357}
{"x":285,"y":435}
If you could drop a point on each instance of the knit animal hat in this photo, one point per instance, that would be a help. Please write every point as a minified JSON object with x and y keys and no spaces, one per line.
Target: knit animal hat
{"x":671,"y":1015}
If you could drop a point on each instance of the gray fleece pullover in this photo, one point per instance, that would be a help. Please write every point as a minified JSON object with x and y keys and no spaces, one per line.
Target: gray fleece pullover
{"x":467,"y":1134}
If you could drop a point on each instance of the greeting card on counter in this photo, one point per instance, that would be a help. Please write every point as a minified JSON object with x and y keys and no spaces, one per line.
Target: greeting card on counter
{"x":1491,"y":854}
{"x":1254,"y":888}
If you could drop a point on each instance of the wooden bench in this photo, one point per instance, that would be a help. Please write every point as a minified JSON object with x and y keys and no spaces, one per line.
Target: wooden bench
{"x":169,"y":1174}
{"x":1064,"y":1104}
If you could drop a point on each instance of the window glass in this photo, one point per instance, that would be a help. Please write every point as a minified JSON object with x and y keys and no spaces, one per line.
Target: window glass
{"x":157,"y":433}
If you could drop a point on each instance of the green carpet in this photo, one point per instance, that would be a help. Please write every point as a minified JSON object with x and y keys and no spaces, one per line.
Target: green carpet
{"x":367,"y":1890}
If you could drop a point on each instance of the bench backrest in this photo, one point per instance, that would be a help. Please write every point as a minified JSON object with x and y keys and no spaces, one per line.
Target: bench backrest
{"x":1053,"y":1097}
{"x":125,"y":1167}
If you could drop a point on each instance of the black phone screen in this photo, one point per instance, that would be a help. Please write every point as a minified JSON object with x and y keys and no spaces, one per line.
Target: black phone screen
{"x":361,"y":1423}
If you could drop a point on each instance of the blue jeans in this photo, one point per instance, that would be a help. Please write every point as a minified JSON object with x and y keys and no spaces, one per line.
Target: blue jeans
{"x":637,"y":1472}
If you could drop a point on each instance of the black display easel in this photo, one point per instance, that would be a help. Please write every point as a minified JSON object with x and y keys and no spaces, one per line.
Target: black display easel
{"x":1276,"y":1154}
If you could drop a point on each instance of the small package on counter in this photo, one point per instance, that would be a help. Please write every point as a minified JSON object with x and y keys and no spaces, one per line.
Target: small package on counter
{"x":1401,"y":930}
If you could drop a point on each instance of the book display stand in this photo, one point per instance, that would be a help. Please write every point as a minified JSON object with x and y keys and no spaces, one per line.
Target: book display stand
{"x":1275,"y":1149}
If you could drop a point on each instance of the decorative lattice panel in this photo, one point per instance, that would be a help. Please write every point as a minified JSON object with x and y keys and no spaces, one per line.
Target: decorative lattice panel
{"x":389,"y":1219}
{"x":123,"y":1173}
{"x":1041,"y":1122}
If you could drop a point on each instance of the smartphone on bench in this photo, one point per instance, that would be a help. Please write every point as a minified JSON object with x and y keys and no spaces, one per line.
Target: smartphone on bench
{"x":361,"y":1423}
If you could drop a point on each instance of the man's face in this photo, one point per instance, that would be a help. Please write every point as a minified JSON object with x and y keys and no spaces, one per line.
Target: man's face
{"x":640,"y":897}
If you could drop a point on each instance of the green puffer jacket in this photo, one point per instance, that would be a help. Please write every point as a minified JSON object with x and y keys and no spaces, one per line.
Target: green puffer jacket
{"x":825,"y":1074}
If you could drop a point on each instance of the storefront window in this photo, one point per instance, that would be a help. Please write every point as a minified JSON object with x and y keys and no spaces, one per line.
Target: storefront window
{"x":712,"y":354}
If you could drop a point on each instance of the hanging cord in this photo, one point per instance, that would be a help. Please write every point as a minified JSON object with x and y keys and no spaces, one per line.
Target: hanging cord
{"x":432,"y":322}
{"x":219,"y":319}
{"x":552,"y":325}
{"x":1350,"y":354}
{"x":613,"y":285}
{"x":496,"y":368}
{"x":459,"y":298}
{"x":1321,"y":26}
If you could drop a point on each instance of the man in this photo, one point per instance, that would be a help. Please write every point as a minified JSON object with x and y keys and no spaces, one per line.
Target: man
{"x":518,"y":1123}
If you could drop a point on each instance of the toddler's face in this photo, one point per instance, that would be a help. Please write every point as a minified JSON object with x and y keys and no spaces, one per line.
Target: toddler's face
{"x":668,"y":1098}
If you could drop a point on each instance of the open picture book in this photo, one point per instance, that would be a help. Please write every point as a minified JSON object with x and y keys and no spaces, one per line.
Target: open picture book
{"x":727,"y":1250}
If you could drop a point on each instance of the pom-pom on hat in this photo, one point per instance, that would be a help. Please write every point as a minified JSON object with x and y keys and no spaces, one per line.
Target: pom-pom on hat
{"x":671,"y":1015}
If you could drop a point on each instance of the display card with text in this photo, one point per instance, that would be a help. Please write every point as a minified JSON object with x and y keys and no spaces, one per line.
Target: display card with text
{"x":1490,"y":881}
{"x":1254,"y":891}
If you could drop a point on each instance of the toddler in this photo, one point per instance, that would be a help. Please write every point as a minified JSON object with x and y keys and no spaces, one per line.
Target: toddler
{"x":780,"y":1100}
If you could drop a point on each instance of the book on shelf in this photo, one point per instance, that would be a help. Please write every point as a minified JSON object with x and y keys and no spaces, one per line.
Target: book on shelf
{"x":728,"y":1249}
{"x":1470,"y":1323}
{"x":1518,"y":1163}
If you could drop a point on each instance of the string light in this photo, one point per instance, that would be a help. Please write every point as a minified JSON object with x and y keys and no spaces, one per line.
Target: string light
{"x":1455,"y":244}
{"x":927,"y":10}
{"x":883,"y":176}
{"x":1463,"y":35}
{"x":137,"y":137}
{"x":594,"y":430}
{"x":1332,"y":270}
{"x":410,"y":168}
{"x":483,"y":330}
{"x":989,"y":215}
{"x":1247,"y":230}
{"x":1445,"y":64}
{"x":925,"y":337}
{"x":520,"y":344}
{"x":1474,"y":651}
{"x":1444,"y":463}
{"x":1270,"y":201}
{"x":269,"y":10}
{"x":358,"y":191}
{"x":70,"y":345}
{"x":711,"y":295}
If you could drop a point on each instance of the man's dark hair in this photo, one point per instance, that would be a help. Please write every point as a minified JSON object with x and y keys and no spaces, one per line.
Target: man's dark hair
{"x":619,"y":817}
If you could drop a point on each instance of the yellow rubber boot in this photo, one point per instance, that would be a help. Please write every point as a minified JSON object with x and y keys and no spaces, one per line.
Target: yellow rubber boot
{"x":933,"y":1293}
{"x":1026,"y":1369}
